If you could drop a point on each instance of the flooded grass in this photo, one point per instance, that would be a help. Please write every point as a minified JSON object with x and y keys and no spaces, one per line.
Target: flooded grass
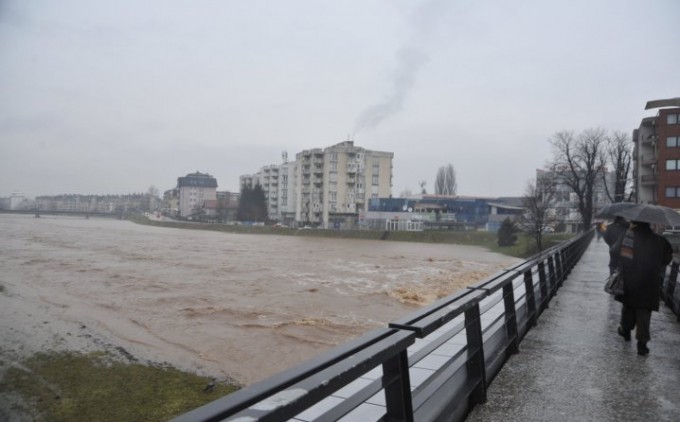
{"x":66,"y":386}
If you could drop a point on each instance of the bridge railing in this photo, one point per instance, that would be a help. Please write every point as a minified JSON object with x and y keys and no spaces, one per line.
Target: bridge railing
{"x":433,"y":364}
{"x":670,"y":291}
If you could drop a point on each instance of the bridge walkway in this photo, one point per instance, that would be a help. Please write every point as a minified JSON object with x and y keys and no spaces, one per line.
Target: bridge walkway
{"x":573,"y":366}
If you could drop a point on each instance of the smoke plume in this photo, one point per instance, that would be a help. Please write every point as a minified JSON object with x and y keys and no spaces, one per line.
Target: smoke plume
{"x":409,"y":61}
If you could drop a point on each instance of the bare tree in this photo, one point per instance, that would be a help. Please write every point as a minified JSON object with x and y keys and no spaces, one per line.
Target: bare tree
{"x":445,"y":182}
{"x":538,"y":199}
{"x":423,"y":188}
{"x":578,"y":164}
{"x":618,"y":154}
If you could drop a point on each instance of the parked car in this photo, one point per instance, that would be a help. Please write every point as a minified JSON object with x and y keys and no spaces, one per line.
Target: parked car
{"x":548,"y":229}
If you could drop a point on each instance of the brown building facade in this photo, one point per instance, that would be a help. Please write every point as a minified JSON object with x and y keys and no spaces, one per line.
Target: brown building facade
{"x":657,"y":156}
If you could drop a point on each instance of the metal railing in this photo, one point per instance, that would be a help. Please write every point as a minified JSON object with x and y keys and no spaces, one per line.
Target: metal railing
{"x":670,"y":291}
{"x":434,"y":364}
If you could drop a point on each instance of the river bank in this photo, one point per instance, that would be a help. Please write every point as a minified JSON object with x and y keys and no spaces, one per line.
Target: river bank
{"x":524,"y":247}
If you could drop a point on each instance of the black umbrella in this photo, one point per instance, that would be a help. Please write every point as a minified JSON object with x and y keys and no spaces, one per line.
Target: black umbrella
{"x":609,"y":211}
{"x":654,"y":214}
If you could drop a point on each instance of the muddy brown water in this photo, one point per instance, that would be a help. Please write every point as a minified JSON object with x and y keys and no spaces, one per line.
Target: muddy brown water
{"x":236,"y":306}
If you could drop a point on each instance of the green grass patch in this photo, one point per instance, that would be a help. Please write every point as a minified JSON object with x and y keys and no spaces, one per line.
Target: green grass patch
{"x":68,"y":386}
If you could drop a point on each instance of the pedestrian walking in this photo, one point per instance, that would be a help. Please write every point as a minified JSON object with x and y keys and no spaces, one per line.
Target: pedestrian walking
{"x":642,"y":256}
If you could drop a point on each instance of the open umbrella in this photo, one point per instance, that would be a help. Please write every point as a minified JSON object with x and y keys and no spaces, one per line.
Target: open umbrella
{"x":609,"y":211}
{"x":654,"y":214}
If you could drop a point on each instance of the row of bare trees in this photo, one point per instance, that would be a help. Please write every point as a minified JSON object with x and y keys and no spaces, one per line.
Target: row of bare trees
{"x":580,"y":161}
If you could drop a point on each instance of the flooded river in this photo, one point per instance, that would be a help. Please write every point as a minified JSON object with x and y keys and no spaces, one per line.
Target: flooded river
{"x":235,"y":306}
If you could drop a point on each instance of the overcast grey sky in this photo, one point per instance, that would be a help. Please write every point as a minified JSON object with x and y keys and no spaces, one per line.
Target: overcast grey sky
{"x":111,"y":97}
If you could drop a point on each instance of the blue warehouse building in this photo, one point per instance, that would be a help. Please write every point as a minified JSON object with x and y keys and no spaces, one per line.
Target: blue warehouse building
{"x":466,"y":212}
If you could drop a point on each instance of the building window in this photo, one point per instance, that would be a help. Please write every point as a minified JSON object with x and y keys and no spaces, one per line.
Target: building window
{"x":672,"y":165}
{"x":672,"y":142}
{"x":334,"y":156}
{"x":334,"y":166}
{"x":376,"y":180}
{"x":673,"y":119}
{"x":672,"y":192}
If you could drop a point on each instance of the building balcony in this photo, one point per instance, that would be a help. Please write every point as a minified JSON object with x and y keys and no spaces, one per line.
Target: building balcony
{"x":351,"y":168}
{"x":649,"y":139}
{"x":648,"y":160}
{"x":648,"y":179}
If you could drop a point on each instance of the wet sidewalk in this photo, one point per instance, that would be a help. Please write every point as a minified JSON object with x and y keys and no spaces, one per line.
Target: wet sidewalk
{"x":573,"y":366}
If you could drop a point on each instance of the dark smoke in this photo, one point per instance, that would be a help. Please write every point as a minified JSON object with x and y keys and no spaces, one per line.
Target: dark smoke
{"x":409,"y":62}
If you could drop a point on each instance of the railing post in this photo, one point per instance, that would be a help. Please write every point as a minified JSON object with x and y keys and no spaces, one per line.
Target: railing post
{"x":560,"y":272}
{"x":542,"y":282}
{"x":511,"y":317}
{"x":398,"y":394}
{"x":670,"y":290}
{"x":530,"y":297}
{"x":475,"y":344}
{"x":552,"y":272}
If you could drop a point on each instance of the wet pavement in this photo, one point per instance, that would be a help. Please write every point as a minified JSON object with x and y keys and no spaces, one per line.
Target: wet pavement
{"x":573,"y":366}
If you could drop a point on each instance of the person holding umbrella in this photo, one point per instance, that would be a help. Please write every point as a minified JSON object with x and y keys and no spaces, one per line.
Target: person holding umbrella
{"x":643,"y":255}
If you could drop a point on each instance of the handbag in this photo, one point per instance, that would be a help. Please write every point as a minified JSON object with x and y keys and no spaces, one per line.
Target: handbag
{"x":614,"y":284}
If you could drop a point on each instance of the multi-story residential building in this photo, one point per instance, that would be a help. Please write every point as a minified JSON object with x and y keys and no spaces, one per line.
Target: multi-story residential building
{"x":278,"y":184}
{"x":136,"y":202}
{"x":565,"y":212}
{"x":656,"y":155}
{"x":335,"y":184}
{"x":227,"y":206}
{"x":310,"y":187}
{"x":324,"y":187}
{"x":287,"y":198}
{"x":194,"y":189}
{"x":171,"y":202}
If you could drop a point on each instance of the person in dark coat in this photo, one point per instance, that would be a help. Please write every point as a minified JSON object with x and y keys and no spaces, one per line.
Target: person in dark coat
{"x":612,"y":234}
{"x":643,"y":255}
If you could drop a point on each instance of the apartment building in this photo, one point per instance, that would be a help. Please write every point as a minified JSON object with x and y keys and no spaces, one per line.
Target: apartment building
{"x":334,"y":184}
{"x":194,"y":189}
{"x":135,"y":202}
{"x":656,"y":155}
{"x":327,"y":187}
{"x":565,"y":212}
{"x":278,"y":184}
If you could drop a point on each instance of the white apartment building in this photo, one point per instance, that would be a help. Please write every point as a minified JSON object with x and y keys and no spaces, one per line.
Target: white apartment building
{"x":565,"y":212}
{"x":327,"y":188}
{"x":194,"y":189}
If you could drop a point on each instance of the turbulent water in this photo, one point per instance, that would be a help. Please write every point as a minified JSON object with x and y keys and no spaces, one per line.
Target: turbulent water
{"x":237,"y":306}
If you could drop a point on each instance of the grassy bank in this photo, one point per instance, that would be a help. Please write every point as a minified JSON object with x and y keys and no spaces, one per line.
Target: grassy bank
{"x":96,"y":386}
{"x":524,"y":247}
